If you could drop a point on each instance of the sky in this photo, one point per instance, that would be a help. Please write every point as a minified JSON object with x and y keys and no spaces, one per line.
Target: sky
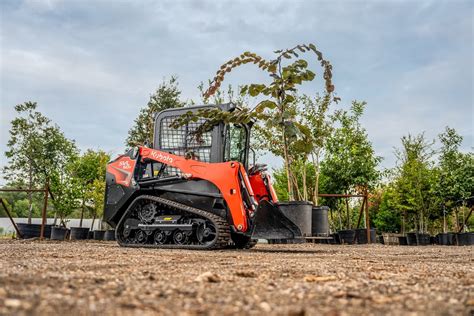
{"x":91,"y":65}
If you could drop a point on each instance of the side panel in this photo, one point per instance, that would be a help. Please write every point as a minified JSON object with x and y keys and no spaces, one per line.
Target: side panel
{"x":119,"y":186}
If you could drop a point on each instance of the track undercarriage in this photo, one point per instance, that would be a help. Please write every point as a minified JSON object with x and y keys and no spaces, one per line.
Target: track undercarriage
{"x":155,"y":222}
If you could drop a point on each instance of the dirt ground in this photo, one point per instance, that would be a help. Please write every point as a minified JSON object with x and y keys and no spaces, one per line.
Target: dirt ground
{"x":87,"y":278}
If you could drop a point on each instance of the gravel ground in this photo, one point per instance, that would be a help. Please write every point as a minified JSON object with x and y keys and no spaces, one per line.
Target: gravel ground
{"x":89,"y":278}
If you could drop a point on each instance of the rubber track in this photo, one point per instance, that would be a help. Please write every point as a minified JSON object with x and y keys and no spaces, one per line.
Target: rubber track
{"x":223,"y":233}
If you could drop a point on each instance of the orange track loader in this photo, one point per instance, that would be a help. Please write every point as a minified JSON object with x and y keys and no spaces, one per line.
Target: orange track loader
{"x":196,"y":192}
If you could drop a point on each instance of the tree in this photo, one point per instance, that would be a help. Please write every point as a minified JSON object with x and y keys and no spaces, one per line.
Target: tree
{"x":304,"y":180}
{"x":456,"y":180}
{"x":414,"y":180}
{"x":165,"y":97}
{"x":66,"y":192}
{"x":25,"y":134}
{"x":387,"y":217}
{"x":36,"y":148}
{"x":276,"y":110}
{"x":466,"y":175}
{"x":315,"y":117}
{"x":453,"y":184}
{"x":350,"y":161}
{"x":89,"y":173}
{"x":310,"y":116}
{"x":96,"y":196}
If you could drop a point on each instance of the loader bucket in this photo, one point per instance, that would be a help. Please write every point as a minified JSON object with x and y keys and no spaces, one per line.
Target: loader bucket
{"x":287,"y":220}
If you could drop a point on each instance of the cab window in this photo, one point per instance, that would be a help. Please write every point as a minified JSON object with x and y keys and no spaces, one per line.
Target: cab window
{"x":235,"y":141}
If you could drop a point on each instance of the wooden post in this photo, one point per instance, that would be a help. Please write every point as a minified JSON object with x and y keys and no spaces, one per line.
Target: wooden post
{"x":358,"y":220}
{"x":45,"y":206}
{"x":360,"y":213}
{"x":367,"y":222}
{"x":348,"y":214}
{"x":11,"y":219}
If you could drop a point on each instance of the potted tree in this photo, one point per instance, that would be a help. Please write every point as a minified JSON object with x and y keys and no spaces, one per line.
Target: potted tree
{"x":35,"y":149}
{"x":97,"y":199}
{"x":65,"y":193}
{"x":90,"y":167}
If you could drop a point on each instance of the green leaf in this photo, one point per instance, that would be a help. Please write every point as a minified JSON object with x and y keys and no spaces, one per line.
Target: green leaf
{"x":272,"y":68}
{"x":289,"y":98}
{"x":266,"y":104}
{"x":255,"y":89}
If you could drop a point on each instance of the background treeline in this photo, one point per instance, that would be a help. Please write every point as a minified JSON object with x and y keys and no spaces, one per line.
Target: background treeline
{"x":423,"y":192}
{"x":39,"y":154}
{"x":328,"y":152}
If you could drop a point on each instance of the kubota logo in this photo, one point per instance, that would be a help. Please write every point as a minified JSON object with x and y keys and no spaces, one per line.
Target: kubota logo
{"x":163,"y":158}
{"x":125,"y":164}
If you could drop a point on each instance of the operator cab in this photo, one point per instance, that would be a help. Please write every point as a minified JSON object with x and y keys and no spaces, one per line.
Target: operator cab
{"x":225,"y":142}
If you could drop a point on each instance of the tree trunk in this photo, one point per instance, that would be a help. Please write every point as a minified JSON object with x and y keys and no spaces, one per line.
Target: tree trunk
{"x":280,"y":99}
{"x":456,"y":219}
{"x":340,"y":218}
{"x":316,"y":183}
{"x":82,"y":210}
{"x":348,"y":213}
{"x":403,"y":222}
{"x":93,"y":220}
{"x":422,"y":224}
{"x":287,"y":166}
{"x":30,"y":197}
{"x":305,"y":189}
{"x":444,"y":220}
{"x":295,"y":186}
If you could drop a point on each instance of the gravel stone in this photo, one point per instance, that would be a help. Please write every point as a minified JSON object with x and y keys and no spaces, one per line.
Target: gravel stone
{"x":101,"y":278}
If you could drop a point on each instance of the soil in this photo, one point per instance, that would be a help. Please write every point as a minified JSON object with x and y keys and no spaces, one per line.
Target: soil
{"x":88,"y":278}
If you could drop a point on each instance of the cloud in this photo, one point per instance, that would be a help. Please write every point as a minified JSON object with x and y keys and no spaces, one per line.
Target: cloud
{"x":92,"y":64}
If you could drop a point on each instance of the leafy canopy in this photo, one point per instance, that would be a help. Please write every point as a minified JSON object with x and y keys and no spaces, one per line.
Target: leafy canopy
{"x":350,"y":161}
{"x":165,"y":97}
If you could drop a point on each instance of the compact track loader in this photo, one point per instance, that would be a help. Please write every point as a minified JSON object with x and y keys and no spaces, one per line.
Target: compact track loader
{"x":195,"y":192}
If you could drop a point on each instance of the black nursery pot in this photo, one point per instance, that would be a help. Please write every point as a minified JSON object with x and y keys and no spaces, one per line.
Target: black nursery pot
{"x":109,"y":234}
{"x":423,"y":239}
{"x":411,"y":239}
{"x":402,"y":240}
{"x":465,"y":239}
{"x":33,"y":230}
{"x":79,"y":233}
{"x":446,"y":239}
{"x":361,"y":236}
{"x":346,"y":236}
{"x":99,"y":234}
{"x":335,"y":239}
{"x":58,"y":233}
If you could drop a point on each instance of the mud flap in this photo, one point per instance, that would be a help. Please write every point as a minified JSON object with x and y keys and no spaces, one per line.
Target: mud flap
{"x":271,"y":223}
